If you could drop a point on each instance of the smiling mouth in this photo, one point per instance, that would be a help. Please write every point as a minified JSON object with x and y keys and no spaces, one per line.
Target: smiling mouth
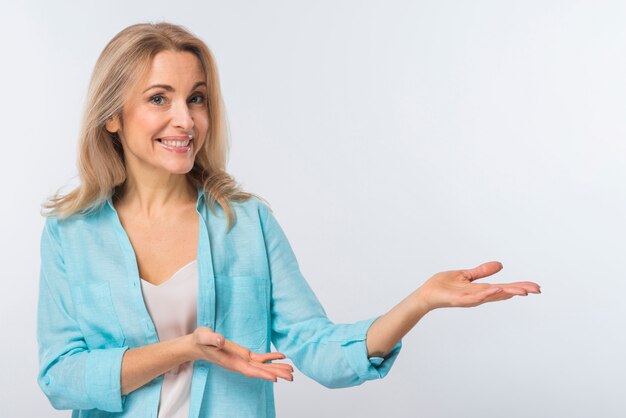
{"x":175,"y":143}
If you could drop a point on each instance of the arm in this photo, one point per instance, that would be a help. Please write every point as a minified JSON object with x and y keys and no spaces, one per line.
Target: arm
{"x":334,"y":355}
{"x":446,"y":289}
{"x":70,"y":375}
{"x":141,"y":365}
{"x":74,"y":377}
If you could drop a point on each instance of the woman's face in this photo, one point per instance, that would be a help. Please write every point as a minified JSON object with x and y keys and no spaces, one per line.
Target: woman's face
{"x":165,"y":116}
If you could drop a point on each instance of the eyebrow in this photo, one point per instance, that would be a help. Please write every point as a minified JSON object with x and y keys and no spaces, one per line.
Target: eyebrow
{"x":170,"y":88}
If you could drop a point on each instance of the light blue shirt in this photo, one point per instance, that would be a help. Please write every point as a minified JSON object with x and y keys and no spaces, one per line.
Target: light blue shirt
{"x":91,"y":310}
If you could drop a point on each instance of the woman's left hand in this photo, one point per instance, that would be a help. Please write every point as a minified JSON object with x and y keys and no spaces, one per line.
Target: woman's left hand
{"x":456,"y":288}
{"x":445,"y":289}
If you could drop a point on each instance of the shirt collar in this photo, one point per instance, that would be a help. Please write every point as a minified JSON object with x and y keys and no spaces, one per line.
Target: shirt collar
{"x":110,"y":203}
{"x":200,"y":196}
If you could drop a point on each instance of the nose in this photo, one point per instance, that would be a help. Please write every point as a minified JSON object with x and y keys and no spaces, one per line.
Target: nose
{"x":181,"y":117}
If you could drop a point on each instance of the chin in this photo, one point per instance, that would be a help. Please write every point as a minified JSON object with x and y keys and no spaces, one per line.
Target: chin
{"x":179,"y":170}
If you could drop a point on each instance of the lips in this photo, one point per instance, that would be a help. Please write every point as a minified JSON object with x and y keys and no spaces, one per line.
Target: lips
{"x":176,"y":143}
{"x":176,"y":138}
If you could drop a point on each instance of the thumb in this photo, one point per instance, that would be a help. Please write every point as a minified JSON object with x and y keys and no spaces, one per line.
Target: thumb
{"x":206,"y":336}
{"x":484,"y":270}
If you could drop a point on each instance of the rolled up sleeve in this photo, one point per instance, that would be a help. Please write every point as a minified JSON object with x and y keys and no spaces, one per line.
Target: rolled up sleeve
{"x":70,"y":375}
{"x":356,"y":353}
{"x":335,"y":355}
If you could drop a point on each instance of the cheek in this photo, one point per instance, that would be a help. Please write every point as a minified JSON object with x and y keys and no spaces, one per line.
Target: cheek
{"x":150,"y":124}
{"x":143,"y":124}
{"x":199,"y":146}
{"x":202,"y":127}
{"x":201,"y":120}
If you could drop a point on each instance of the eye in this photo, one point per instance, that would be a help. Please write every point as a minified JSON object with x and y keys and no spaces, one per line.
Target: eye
{"x":198,"y":99}
{"x":157,"y":99}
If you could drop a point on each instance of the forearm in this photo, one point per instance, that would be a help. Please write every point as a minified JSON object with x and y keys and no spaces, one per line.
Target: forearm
{"x":387,"y":330}
{"x":142,"y":364}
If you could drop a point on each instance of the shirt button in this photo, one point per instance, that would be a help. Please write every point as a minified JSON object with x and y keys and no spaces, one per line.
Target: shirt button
{"x":46,"y":380}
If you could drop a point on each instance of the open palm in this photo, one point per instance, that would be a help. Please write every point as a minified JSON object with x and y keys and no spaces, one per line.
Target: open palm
{"x":457,"y":288}
{"x":234,"y":357}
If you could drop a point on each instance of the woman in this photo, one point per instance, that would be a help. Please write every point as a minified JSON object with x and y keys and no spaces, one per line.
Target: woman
{"x":152,"y":305}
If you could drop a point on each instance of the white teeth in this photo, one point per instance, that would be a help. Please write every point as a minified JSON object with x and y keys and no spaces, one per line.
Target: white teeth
{"x":175,"y":143}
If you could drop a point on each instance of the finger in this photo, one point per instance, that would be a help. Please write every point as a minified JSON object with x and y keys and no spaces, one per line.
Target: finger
{"x":530,"y":287}
{"x":283,"y":366}
{"x":251,"y":370}
{"x":283,"y":373}
{"x":208,"y":337}
{"x":265,"y":370}
{"x":231,"y":360}
{"x":279,"y":371}
{"x":514,"y":290}
{"x":265,"y":357}
{"x":498,"y":297}
{"x":241,"y":351}
{"x":477,"y":297}
{"x":219,"y":341}
{"x":484,"y":270}
{"x":494,"y":290}
{"x":519,"y":290}
{"x":276,"y":366}
{"x":507,"y":293}
{"x":276,"y":371}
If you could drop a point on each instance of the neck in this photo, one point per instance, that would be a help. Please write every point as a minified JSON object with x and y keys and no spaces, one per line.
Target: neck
{"x":155,"y":198}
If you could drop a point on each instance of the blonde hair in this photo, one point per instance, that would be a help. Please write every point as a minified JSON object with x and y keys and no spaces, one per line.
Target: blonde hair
{"x":125,"y":59}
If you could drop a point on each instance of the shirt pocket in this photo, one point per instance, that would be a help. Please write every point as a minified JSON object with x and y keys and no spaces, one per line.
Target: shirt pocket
{"x":241,"y":310}
{"x":96,"y":316}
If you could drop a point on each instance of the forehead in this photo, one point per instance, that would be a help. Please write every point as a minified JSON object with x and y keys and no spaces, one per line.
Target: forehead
{"x":176,"y":68}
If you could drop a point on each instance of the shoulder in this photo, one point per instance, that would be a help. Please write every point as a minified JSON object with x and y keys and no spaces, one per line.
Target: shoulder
{"x":252,"y":208}
{"x":251,"y":216}
{"x":50,"y":242}
{"x":56,"y":228}
{"x":50,"y":229}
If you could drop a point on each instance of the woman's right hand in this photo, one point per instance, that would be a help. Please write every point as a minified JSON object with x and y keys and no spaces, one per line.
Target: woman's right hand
{"x":213,"y":347}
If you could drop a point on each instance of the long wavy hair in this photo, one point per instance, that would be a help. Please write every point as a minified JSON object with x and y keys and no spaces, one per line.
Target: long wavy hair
{"x":101,"y":168}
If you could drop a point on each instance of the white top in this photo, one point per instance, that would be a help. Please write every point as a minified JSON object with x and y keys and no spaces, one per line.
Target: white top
{"x":172,"y":306}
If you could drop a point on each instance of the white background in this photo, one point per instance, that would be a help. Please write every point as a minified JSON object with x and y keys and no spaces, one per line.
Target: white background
{"x":393,"y":140}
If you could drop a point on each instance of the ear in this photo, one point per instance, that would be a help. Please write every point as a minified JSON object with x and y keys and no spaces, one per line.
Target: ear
{"x":112,"y":124}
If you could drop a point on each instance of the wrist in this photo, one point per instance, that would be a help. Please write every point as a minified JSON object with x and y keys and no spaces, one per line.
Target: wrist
{"x":188,"y":347}
{"x":419,"y":302}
